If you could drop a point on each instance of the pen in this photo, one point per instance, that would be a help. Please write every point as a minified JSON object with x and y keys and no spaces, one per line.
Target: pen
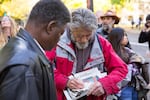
{"x":73,"y":75}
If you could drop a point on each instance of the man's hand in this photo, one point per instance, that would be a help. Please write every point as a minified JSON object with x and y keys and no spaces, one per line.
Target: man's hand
{"x":75,"y":84}
{"x":96,"y":89}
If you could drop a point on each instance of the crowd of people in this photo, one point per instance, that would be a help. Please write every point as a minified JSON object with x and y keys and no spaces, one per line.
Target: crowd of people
{"x":37,"y":60}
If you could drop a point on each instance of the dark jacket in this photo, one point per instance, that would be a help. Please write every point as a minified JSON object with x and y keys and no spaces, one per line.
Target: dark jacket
{"x":25,"y":72}
{"x":144,"y":37}
{"x":102,"y":32}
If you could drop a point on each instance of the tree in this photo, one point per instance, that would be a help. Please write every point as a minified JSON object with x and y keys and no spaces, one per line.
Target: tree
{"x":1,"y":9}
{"x":90,"y":4}
{"x":1,"y":1}
{"x":18,"y":9}
{"x":73,"y":4}
{"x":118,"y":2}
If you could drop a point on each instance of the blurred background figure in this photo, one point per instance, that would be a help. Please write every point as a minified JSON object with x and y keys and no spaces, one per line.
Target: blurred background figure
{"x":134,"y":80}
{"x":109,"y":18}
{"x":132,"y":22}
{"x":8,"y":27}
{"x":2,"y":39}
{"x":98,"y":15}
{"x":138,"y":22}
{"x":145,"y":34}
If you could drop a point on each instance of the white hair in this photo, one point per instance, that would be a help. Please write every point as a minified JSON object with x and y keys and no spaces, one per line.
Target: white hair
{"x":83,"y":17}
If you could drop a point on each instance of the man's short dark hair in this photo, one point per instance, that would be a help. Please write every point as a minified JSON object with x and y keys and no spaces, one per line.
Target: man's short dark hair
{"x":45,"y":11}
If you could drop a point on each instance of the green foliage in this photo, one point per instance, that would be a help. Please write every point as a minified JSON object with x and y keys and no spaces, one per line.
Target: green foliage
{"x":1,"y":1}
{"x":98,"y":4}
{"x":118,"y":2}
{"x":18,"y":9}
{"x":74,"y":4}
{"x":115,"y":1}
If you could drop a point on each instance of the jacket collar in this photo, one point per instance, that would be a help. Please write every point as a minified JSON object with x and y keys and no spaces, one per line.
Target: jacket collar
{"x":11,"y":53}
{"x":27,"y":37}
{"x":65,"y":43}
{"x":32,"y":44}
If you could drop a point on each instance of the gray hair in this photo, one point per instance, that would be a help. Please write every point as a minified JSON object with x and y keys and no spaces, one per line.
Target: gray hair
{"x":82,"y":17}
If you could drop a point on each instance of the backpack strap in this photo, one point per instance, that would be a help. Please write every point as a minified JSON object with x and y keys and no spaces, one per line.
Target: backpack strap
{"x":99,"y":42}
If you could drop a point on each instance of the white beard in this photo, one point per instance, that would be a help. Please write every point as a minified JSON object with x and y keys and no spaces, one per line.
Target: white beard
{"x":105,"y":27}
{"x":79,"y":45}
{"x":82,"y":46}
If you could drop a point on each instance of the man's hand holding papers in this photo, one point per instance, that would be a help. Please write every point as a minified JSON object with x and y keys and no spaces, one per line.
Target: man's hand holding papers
{"x":84,"y":83}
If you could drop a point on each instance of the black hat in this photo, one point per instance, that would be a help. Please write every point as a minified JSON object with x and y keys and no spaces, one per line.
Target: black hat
{"x":148,"y":17}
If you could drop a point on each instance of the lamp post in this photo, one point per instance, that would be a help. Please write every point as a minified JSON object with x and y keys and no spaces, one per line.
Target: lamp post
{"x":90,"y":4}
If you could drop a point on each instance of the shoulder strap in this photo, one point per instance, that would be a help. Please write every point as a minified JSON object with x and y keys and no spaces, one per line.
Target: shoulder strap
{"x":99,"y":42}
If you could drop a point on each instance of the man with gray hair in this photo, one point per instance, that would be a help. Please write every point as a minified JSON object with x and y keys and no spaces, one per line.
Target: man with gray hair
{"x":81,"y":48}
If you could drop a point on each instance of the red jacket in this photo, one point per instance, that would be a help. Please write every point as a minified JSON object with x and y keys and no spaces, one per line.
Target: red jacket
{"x":66,"y":62}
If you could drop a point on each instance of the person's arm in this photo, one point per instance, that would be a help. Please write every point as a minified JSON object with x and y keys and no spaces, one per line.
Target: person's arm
{"x":143,"y":37}
{"x":60,"y":79}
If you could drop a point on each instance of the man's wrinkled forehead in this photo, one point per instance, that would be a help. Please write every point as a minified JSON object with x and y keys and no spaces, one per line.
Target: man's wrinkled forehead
{"x":81,"y":29}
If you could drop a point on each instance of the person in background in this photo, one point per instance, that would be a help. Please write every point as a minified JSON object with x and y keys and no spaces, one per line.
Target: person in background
{"x":145,"y":34}
{"x":98,"y":15}
{"x":132,"y":22}
{"x":140,"y":22}
{"x":81,"y":48}
{"x":2,"y":39}
{"x":25,"y":71}
{"x":118,"y":39}
{"x":109,"y":19}
{"x":8,"y":26}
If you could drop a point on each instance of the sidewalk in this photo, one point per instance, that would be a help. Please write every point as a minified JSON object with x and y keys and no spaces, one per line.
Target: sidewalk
{"x":133,"y":31}
{"x":129,"y":29}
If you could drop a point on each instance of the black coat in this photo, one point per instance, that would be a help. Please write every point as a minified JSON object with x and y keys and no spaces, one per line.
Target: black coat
{"x":144,"y":37}
{"x":25,"y":72}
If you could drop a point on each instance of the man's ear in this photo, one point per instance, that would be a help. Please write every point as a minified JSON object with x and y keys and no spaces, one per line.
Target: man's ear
{"x":50,"y":27}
